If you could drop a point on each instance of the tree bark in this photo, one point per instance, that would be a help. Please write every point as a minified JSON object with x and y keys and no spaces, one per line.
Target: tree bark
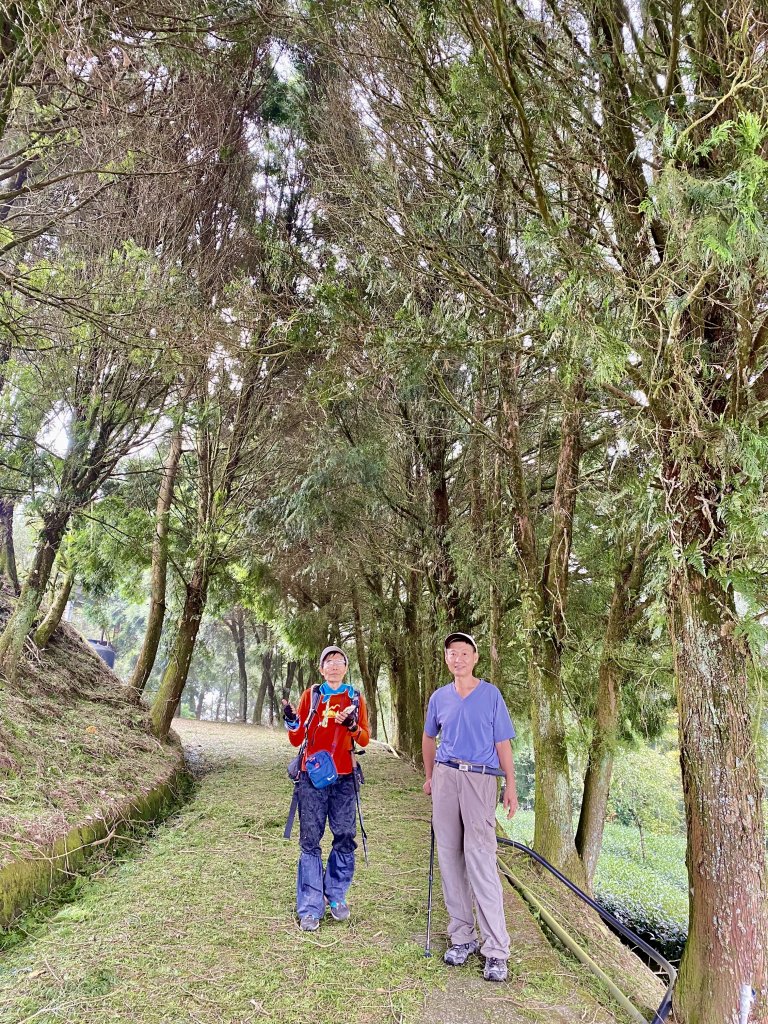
{"x":553,"y":829}
{"x":146,"y":659}
{"x":405,"y":672}
{"x":28,"y":605}
{"x":450,"y":610}
{"x":47,"y":627}
{"x":365,"y":664}
{"x":264,"y":686}
{"x":290,"y":672}
{"x":272,"y":699}
{"x":725,"y":955}
{"x":544,"y":591}
{"x":101,"y":432}
{"x":176,"y":671}
{"x":236,"y":623}
{"x":597,"y":779}
{"x":199,"y":705}
{"x":7,"y":548}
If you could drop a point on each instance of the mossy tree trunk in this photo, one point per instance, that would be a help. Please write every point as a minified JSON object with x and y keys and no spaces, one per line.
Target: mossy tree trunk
{"x":7,"y":548}
{"x":622,"y":614}
{"x":597,"y":778}
{"x":725,"y":955}
{"x":544,"y":592}
{"x":176,"y":671}
{"x":159,"y":574}
{"x":47,"y":627}
{"x":32,"y":592}
{"x":705,"y":388}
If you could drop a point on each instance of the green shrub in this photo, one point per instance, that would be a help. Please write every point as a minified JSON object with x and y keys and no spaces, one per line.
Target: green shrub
{"x":649,"y":896}
{"x":650,"y":901}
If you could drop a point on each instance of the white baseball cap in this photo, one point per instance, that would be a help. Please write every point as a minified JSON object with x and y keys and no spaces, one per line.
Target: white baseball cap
{"x":332,"y":650}
{"x":464,"y":637}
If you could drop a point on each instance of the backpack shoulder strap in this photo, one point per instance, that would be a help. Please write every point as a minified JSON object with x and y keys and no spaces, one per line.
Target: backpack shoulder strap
{"x":313,"y":705}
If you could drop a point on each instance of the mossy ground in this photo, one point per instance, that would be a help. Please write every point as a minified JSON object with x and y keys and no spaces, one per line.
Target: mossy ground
{"x":199,"y":924}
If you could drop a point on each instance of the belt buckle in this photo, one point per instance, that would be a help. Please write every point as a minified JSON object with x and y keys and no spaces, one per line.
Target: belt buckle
{"x":464,"y":767}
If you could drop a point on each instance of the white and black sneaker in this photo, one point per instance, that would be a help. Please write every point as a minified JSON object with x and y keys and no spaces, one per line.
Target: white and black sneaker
{"x":495,"y":969}
{"x":457,"y":956}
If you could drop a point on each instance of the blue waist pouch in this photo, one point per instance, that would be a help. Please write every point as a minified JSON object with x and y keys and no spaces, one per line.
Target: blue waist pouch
{"x":321,"y":769}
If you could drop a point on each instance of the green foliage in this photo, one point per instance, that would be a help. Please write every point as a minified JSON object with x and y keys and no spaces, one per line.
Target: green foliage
{"x":648,"y":895}
{"x":646,"y":790}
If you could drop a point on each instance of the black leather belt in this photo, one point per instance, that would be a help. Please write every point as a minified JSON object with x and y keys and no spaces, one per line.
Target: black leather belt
{"x":482,"y":769}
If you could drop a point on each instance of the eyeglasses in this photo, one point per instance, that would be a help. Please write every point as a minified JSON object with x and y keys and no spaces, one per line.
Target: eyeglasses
{"x":334,"y":661}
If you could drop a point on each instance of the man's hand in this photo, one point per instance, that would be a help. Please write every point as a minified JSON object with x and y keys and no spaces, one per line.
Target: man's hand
{"x":427,"y":787}
{"x":510,"y":800}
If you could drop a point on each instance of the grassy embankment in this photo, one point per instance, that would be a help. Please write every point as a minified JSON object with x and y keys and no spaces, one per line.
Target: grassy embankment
{"x":76,"y":758}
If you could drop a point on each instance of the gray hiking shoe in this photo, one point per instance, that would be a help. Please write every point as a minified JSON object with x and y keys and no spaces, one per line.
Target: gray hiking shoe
{"x":339,"y":911}
{"x":309,"y":923}
{"x":457,"y":956}
{"x":495,"y":969}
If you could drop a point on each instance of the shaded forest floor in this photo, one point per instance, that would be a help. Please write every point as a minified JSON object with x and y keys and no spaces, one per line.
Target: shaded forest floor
{"x":198,"y":924}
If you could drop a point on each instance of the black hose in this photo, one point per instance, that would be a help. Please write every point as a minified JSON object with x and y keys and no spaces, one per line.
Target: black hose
{"x":662,"y":1012}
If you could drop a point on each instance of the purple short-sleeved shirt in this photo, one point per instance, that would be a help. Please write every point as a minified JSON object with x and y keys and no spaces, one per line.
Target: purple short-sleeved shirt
{"x":469,"y":727}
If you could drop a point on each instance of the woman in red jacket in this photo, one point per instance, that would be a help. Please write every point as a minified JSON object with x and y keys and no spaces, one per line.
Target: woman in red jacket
{"x":339,"y":721}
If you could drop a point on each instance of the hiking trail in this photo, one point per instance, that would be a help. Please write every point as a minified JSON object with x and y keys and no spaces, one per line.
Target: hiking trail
{"x":198,"y":924}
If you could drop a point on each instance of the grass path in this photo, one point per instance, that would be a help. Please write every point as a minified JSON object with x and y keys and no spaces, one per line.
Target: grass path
{"x":198,"y":925}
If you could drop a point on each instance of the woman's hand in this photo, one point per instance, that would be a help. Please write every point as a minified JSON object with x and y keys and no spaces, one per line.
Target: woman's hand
{"x":288,"y":712}
{"x":347,"y":717}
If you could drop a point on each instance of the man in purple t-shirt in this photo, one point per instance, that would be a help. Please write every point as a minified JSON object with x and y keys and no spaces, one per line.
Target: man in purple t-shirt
{"x":474,"y":726}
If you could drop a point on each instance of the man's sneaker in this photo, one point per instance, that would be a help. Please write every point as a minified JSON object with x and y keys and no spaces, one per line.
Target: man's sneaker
{"x":456,"y":956}
{"x":495,"y":969}
{"x":309,"y":923}
{"x":339,"y":911}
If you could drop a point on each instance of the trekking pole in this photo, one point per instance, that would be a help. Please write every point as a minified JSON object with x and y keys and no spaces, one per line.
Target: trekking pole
{"x":427,"y":949}
{"x":360,"y":814}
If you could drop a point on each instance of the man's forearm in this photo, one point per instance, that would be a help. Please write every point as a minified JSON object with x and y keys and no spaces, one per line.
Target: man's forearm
{"x":428,"y":751}
{"x":507,"y":763}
